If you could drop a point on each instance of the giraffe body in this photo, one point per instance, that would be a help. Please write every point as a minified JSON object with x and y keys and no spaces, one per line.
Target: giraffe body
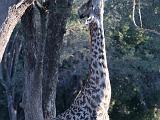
{"x":92,"y":103}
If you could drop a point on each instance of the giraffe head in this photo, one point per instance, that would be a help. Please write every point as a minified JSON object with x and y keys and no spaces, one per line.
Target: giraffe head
{"x":92,"y":22}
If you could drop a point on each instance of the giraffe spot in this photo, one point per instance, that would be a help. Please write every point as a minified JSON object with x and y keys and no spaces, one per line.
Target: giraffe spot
{"x":100,"y":50}
{"x":98,"y":34}
{"x":102,"y":85}
{"x":98,"y":43}
{"x":100,"y":64}
{"x":95,"y":52}
{"x":93,"y":78}
{"x":95,"y":29}
{"x":97,"y":81}
{"x":72,"y":112}
{"x":104,"y":66}
{"x":68,"y":117}
{"x":92,"y":103}
{"x":102,"y":74}
{"x":91,"y":59}
{"x":102,"y":45}
{"x":98,"y":37}
{"x":101,"y":57}
{"x":89,"y":92}
{"x":95,"y":55}
{"x":102,"y":37}
{"x":95,"y":47}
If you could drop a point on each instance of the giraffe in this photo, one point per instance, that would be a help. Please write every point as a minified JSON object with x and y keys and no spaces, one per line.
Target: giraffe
{"x":92,"y":102}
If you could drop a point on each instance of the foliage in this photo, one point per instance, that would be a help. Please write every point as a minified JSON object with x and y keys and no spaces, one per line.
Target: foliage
{"x":133,"y":58}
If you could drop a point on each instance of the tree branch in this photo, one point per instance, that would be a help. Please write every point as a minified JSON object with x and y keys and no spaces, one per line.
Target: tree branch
{"x":139,"y":11}
{"x":133,"y":13}
{"x":9,"y":62}
{"x":140,"y":19}
{"x":14,"y":15}
{"x":149,"y":30}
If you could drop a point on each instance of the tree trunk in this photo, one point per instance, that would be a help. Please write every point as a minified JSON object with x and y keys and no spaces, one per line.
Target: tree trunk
{"x":59,"y":12}
{"x":54,"y":29}
{"x":43,"y":30}
{"x":9,"y":62}
{"x":34,"y":50}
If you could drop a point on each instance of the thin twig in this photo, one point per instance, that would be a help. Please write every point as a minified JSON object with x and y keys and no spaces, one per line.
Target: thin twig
{"x":139,"y":11}
{"x":133,"y":13}
{"x":149,"y":30}
{"x":140,"y":18}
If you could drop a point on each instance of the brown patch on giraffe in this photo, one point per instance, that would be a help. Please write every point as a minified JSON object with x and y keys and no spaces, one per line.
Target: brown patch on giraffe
{"x":96,"y":47}
{"x":97,"y":81}
{"x":101,"y":57}
{"x":102,"y":74}
{"x":98,"y":38}
{"x":102,"y":37}
{"x":97,"y":72}
{"x":98,"y":43}
{"x":95,"y":52}
{"x":104,"y":66}
{"x":94,"y":55}
{"x":103,"y":85}
{"x":102,"y":45}
{"x":100,"y":63}
{"x":100,"y":50}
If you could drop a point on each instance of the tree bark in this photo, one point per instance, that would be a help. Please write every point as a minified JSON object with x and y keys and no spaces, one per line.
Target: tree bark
{"x":9,"y":62}
{"x":14,"y":15}
{"x":34,"y":51}
{"x":33,"y":65}
{"x":44,"y":36}
{"x":59,"y":12}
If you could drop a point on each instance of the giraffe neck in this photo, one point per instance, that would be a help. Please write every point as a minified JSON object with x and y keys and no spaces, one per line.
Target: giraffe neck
{"x":99,"y":70}
{"x":99,"y":75}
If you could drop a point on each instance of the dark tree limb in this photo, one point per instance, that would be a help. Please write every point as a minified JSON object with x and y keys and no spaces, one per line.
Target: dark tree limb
{"x":33,"y":64}
{"x":14,"y":15}
{"x":9,"y":62}
{"x":59,"y":12}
